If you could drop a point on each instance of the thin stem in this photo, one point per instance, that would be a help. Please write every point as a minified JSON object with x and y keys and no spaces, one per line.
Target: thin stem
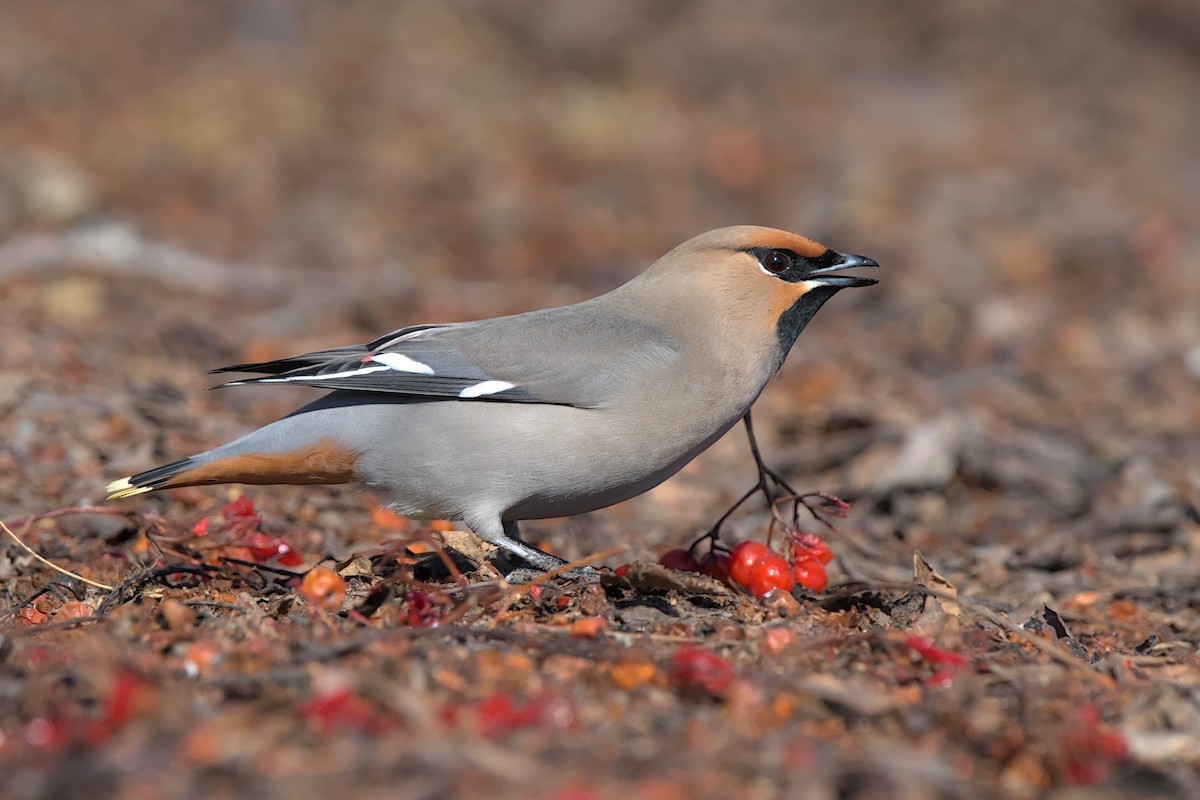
{"x":768,"y":481}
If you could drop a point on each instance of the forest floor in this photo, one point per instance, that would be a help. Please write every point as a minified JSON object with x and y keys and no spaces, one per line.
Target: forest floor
{"x":1013,"y":414}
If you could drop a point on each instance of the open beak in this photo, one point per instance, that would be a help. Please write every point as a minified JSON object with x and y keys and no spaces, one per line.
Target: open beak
{"x":843,"y":281}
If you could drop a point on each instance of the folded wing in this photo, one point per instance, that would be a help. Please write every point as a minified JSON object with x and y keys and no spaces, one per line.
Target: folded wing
{"x":576,"y":358}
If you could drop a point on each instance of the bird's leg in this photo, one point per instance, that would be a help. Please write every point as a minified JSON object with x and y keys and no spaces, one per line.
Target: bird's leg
{"x":764,"y":473}
{"x":819,"y":504}
{"x":513,"y":531}
{"x":508,"y":537}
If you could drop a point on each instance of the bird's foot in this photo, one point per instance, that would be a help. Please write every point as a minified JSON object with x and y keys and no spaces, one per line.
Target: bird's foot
{"x":534,"y":575}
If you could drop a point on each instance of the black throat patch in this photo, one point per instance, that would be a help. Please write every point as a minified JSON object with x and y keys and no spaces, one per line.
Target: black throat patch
{"x":792,"y":321}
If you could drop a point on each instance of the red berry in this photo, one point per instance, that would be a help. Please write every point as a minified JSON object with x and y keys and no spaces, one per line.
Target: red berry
{"x":771,"y":572}
{"x":804,"y":543}
{"x":809,"y":572}
{"x":697,"y":671}
{"x":621,"y":571}
{"x":743,"y":558}
{"x":682,"y":560}
{"x":716,"y":566}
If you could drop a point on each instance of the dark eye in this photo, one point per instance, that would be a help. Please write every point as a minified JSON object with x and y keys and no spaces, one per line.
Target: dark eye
{"x":775,"y":262}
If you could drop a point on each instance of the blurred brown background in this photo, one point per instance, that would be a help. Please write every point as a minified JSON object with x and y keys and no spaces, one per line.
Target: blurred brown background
{"x":186,"y":185}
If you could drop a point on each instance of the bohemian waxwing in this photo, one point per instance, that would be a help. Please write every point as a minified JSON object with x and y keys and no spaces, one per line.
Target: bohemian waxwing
{"x":544,"y":414}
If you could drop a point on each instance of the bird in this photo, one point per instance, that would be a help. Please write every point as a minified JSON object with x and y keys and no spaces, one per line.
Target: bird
{"x":548,"y":413}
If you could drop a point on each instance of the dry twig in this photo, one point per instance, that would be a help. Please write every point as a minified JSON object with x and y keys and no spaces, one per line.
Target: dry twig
{"x":50,"y":563}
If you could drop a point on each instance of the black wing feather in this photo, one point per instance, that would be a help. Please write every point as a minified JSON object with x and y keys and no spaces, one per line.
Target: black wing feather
{"x":296,"y":362}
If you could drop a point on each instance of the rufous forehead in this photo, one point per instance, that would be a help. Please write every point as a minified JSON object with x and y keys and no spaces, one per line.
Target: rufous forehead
{"x":782,"y":240}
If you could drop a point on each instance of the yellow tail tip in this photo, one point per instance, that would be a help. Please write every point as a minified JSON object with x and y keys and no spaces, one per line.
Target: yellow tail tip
{"x":118,"y":490}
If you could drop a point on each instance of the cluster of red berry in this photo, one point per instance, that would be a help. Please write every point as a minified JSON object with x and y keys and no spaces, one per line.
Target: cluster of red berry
{"x":757,"y":568}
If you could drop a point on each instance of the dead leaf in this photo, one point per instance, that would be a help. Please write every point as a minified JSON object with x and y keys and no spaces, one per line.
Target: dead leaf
{"x":925,"y":575}
{"x":648,"y":577}
{"x":355,"y":567}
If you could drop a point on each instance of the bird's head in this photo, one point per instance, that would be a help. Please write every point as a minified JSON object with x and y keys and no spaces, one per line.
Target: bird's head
{"x":753,"y":277}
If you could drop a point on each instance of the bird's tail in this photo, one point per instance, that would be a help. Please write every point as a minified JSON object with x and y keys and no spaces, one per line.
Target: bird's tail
{"x":315,"y":444}
{"x":249,"y":460}
{"x":151,"y":480}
